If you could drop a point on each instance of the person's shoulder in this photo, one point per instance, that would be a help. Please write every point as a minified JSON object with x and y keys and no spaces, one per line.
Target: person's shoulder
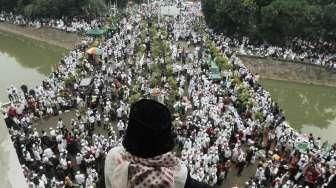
{"x":114,"y":153}
{"x":115,"y":168}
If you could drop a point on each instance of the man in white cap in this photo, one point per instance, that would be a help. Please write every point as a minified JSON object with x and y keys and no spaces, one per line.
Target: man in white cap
{"x":121,"y":127}
{"x":48,"y":153}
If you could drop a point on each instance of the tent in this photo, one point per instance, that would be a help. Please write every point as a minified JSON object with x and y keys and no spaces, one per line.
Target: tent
{"x":303,"y":147}
{"x":326,"y":147}
{"x":97,"y":32}
{"x":214,"y":72}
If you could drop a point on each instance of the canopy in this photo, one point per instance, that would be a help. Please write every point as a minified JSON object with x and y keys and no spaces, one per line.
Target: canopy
{"x":214,"y":72}
{"x":326,"y":147}
{"x":94,"y":51}
{"x":303,"y":147}
{"x":96,"y":32}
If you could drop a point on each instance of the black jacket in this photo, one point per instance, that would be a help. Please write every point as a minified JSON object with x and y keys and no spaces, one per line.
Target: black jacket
{"x":192,"y":183}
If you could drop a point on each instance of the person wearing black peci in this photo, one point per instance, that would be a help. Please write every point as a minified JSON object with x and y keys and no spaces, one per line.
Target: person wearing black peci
{"x":145,"y":158}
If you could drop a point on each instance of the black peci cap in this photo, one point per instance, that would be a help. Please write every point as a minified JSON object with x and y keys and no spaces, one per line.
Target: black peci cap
{"x":149,"y":132}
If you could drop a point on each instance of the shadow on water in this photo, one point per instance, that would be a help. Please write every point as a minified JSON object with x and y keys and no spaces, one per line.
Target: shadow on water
{"x":30,"y":53}
{"x":308,"y":108}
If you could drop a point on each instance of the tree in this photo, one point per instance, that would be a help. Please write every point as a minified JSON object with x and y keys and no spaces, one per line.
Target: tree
{"x":285,"y":18}
{"x":273,"y":21}
{"x":8,"y":5}
{"x":209,"y":11}
{"x":260,"y":4}
{"x":94,"y":7}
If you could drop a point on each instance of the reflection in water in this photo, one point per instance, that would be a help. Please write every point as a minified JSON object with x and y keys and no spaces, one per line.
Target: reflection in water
{"x":24,"y":61}
{"x":308,"y":108}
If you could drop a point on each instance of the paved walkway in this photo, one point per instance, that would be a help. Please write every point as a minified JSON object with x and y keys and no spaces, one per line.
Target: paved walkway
{"x":48,"y":35}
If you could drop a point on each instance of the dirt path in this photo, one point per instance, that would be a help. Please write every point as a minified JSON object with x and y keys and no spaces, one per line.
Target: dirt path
{"x":48,"y":35}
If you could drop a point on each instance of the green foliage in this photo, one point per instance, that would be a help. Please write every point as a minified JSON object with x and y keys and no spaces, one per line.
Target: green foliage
{"x":169,"y":70}
{"x":245,"y":97}
{"x":230,"y":16}
{"x":8,"y":5}
{"x":154,"y":79}
{"x":139,"y":47}
{"x":135,"y":97}
{"x":214,"y":52}
{"x":69,"y":81}
{"x":54,"y":8}
{"x":274,"y":21}
{"x":172,"y":83}
{"x":258,"y":116}
{"x":94,"y":7}
{"x":222,"y":63}
{"x":235,"y":80}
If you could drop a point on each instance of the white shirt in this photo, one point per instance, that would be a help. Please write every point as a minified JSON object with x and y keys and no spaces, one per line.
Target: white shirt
{"x":120,"y":125}
{"x":80,"y":178}
{"x":48,"y":153}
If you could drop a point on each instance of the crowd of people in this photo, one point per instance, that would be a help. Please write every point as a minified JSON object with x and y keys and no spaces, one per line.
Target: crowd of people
{"x":322,"y":54}
{"x":216,"y":131}
{"x":73,"y":25}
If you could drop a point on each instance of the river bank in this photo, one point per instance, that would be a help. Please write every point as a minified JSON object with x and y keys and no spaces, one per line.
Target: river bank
{"x":268,"y":68}
{"x":47,"y":35}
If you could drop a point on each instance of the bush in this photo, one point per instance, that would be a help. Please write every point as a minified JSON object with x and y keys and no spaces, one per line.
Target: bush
{"x":258,"y":116}
{"x":172,"y":83}
{"x":68,"y":82}
{"x":222,"y":63}
{"x":135,"y":97}
{"x":214,"y":52}
{"x":245,"y":97}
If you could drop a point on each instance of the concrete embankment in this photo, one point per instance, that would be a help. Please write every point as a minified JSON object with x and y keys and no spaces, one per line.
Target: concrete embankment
{"x":290,"y":71}
{"x":48,"y":35}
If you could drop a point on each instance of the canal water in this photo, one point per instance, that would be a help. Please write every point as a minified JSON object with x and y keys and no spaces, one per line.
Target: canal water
{"x":308,"y":108}
{"x":22,"y":61}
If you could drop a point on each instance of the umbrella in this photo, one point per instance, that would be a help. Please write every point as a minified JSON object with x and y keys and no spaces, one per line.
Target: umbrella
{"x":94,"y":51}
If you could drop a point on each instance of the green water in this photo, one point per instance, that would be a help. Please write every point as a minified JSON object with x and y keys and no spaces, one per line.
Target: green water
{"x":308,"y":108}
{"x":24,"y":61}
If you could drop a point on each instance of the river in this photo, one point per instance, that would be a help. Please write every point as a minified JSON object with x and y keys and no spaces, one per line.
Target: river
{"x":22,"y":61}
{"x":308,"y":108}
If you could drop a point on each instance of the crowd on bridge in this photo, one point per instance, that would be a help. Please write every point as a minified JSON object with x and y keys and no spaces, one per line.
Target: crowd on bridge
{"x":218,"y":134}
